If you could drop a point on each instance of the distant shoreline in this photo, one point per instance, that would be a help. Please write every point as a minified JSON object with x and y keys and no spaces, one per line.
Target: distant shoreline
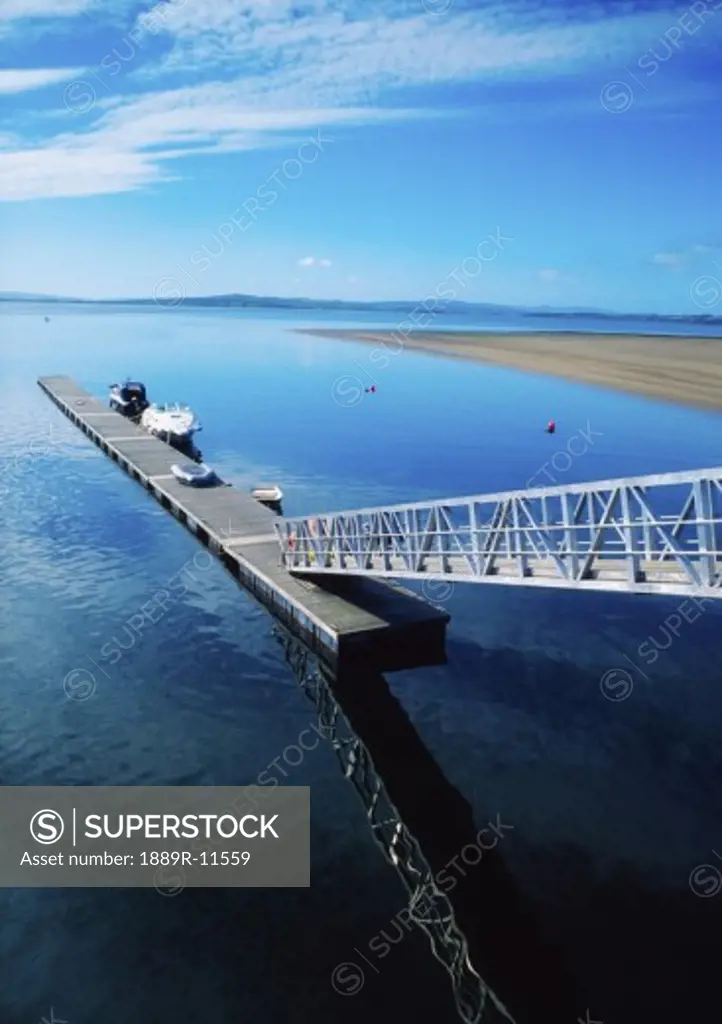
{"x":684,"y":370}
{"x":181,"y":301}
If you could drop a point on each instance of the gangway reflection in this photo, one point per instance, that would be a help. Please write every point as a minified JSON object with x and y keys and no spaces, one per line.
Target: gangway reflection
{"x":482,"y":929}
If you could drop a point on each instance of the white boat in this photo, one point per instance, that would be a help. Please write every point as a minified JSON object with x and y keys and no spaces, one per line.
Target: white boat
{"x":194,"y":475}
{"x":271,"y":495}
{"x":173,"y":423}
{"x":129,"y":399}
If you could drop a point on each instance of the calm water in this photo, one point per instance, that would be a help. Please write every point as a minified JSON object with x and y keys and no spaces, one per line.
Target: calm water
{"x":613,"y":804}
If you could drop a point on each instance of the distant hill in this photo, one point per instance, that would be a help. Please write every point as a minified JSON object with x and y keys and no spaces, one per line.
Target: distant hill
{"x":237,"y":300}
{"x":30,"y":297}
{"x":488,"y":309}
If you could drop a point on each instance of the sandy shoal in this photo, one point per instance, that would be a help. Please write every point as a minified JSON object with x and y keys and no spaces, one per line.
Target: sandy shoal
{"x":687,"y":371}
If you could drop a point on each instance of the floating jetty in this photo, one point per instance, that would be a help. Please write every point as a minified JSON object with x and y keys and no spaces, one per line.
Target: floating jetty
{"x":341,"y":619}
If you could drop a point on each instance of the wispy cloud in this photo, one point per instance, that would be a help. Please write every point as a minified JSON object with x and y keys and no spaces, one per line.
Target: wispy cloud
{"x":24,"y":79}
{"x":549,"y":275}
{"x":313,"y":261}
{"x":678,"y":260}
{"x":349,"y":51}
{"x":131,"y":146}
{"x":16,"y":9}
{"x":305,"y":64}
{"x":669,"y":259}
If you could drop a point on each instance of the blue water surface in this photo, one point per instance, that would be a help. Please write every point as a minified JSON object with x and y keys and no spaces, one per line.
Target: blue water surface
{"x":613,"y":804}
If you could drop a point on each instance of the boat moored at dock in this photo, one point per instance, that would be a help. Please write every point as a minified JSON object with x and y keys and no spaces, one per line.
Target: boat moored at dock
{"x":195,"y":474}
{"x":129,"y":398}
{"x":173,"y":423}
{"x":270,"y":495}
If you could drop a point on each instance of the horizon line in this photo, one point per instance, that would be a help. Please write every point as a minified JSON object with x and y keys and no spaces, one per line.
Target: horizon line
{"x":177,"y":302}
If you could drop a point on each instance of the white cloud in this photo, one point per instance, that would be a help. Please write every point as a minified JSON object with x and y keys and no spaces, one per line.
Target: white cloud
{"x":306,"y":64}
{"x":313,"y":261}
{"x":549,"y":275}
{"x":122,"y":152}
{"x":348,"y":57}
{"x":34,"y":78}
{"x":73,"y":170}
{"x":16,"y":9}
{"x":336,"y":47}
{"x":680,"y":259}
{"x":669,"y":259}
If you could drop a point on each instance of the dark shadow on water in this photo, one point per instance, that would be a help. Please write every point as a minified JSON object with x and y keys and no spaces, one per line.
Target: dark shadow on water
{"x":479,"y":924}
{"x":274,"y":506}
{"x":622,"y":948}
{"x":642,"y":942}
{"x":189,"y":449}
{"x":649,"y":952}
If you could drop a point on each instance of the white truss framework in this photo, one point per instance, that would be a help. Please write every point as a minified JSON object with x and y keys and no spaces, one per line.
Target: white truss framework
{"x":649,"y":534}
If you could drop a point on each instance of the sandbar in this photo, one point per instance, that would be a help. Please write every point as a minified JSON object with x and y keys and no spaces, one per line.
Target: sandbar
{"x":683,"y":370}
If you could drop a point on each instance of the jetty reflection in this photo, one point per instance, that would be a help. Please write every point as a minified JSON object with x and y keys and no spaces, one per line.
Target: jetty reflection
{"x":481,"y":929}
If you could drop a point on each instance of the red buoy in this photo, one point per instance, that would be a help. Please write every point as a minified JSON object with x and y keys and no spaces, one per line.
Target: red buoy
{"x":551,"y":427}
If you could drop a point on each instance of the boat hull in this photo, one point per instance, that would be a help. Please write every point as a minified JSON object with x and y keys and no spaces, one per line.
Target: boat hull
{"x":172,"y":426}
{"x":271,"y":497}
{"x":267,"y":494}
{"x":175,"y":437}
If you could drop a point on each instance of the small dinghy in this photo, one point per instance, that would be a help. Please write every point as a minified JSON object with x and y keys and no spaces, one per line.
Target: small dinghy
{"x":194,"y":475}
{"x":271,"y":495}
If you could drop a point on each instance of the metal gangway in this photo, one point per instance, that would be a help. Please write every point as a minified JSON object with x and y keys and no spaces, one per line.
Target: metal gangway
{"x":656,"y":534}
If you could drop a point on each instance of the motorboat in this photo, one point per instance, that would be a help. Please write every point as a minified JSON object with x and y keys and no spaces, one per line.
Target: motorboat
{"x":129,"y":399}
{"x":270,"y":495}
{"x":174,"y":423}
{"x":194,"y":475}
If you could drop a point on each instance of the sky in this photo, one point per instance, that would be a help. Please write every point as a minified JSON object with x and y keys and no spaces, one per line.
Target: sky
{"x":535,"y":152}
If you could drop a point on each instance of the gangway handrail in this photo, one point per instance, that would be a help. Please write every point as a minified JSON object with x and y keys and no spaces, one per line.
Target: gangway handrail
{"x":660,"y":533}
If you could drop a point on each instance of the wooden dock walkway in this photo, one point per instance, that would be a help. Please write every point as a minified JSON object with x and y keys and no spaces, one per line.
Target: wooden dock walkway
{"x":344,"y":618}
